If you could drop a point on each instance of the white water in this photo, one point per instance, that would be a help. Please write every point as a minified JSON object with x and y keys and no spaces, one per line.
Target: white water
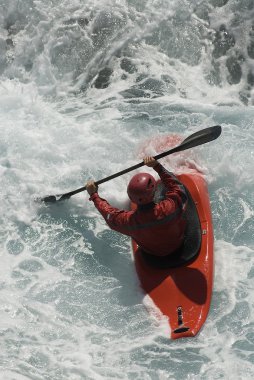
{"x":70,"y":302}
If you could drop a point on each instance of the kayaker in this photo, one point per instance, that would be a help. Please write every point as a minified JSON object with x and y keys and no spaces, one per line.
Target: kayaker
{"x":157,"y":228}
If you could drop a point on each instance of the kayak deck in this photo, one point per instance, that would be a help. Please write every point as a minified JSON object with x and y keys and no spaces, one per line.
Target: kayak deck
{"x":183,"y":293}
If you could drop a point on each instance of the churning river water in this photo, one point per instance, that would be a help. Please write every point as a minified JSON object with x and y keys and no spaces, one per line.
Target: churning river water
{"x":86,"y":89}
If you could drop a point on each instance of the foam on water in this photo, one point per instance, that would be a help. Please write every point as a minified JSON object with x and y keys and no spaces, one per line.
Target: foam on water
{"x":86,"y":90}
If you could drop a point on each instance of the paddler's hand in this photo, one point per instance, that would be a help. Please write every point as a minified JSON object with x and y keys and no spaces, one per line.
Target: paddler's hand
{"x":150,"y":161}
{"x":91,"y":187}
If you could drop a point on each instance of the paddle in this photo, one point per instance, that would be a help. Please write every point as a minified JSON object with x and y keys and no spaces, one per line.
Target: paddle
{"x":201,"y":137}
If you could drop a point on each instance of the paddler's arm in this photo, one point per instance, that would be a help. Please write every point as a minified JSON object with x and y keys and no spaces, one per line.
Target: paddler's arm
{"x":113,"y":216}
{"x":174,"y":188}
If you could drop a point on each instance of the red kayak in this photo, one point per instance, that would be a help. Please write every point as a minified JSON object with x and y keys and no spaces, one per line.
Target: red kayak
{"x":180,"y":285}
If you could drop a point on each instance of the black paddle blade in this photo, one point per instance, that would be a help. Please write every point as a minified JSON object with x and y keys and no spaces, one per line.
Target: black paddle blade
{"x":204,"y":136}
{"x":47,"y":199}
{"x":198,"y":138}
{"x":53,"y":198}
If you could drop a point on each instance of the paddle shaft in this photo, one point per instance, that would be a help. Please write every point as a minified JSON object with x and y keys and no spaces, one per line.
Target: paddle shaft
{"x":198,"y":138}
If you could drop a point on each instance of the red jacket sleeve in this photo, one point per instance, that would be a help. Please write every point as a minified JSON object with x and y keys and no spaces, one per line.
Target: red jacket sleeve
{"x":175,"y":197}
{"x":113,"y":216}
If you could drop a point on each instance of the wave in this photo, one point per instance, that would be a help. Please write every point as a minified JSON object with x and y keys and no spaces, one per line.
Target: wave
{"x":149,"y":49}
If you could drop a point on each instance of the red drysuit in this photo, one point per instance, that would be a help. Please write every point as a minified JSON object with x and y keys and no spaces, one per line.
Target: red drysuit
{"x":157,"y":228}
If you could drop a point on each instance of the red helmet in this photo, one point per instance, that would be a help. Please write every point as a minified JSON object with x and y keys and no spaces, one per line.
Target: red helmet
{"x":141,"y":188}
